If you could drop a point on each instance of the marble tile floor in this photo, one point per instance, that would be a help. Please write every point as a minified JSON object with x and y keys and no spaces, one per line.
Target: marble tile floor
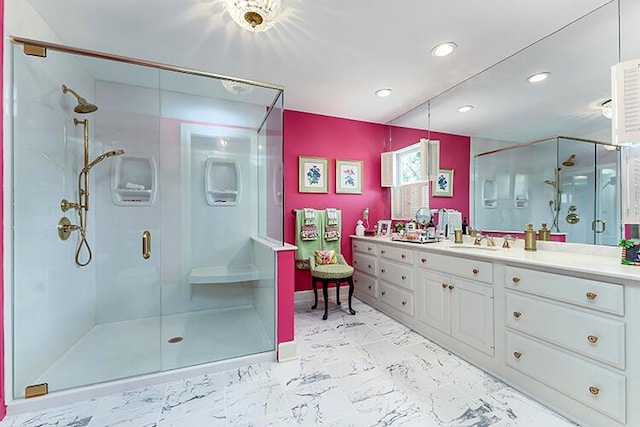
{"x":362,"y":370}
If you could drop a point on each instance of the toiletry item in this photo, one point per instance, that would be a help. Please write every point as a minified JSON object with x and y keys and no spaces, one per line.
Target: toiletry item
{"x":458,"y":236}
{"x":431,"y":229}
{"x":472,"y":232}
{"x":529,"y":238}
{"x":359,"y":228}
{"x":133,"y":186}
{"x":544,"y":232}
{"x":465,"y":226}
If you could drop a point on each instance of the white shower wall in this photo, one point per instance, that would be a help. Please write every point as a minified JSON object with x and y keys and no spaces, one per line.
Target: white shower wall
{"x":53,"y":298}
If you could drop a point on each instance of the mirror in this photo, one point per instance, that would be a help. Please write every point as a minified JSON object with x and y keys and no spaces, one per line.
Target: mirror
{"x":508,"y":110}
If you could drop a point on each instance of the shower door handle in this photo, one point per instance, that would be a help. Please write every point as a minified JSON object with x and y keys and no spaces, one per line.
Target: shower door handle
{"x":146,"y":244}
{"x":601,"y":230}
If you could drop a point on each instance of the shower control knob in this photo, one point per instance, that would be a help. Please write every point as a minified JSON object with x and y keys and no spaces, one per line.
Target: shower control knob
{"x":65,"y":205}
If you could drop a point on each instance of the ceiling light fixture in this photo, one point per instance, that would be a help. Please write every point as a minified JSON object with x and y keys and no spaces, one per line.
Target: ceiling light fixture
{"x":465,"y":108}
{"x":237,"y":88}
{"x":443,"y":49}
{"x":607,"y":109}
{"x":254,"y":15}
{"x":383,"y":92}
{"x":538,"y":77}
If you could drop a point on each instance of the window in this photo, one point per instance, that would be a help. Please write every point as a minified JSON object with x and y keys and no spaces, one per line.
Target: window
{"x":406,"y":171}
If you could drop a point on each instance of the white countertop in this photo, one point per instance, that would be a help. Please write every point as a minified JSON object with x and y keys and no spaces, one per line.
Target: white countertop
{"x":602,"y":261}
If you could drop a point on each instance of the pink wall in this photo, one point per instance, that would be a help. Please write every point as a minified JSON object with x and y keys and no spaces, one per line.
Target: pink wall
{"x":3,"y":407}
{"x":285,"y":268}
{"x":334,"y":138}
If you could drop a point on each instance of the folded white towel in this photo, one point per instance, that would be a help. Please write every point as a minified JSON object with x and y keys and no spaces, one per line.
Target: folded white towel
{"x":133,"y":186}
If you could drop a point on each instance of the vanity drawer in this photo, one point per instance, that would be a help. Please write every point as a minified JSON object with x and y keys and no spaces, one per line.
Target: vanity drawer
{"x":365,"y":283}
{"x":396,"y":298}
{"x":401,"y":275}
{"x":463,"y":267}
{"x":601,"y":296}
{"x":595,"y":386}
{"x":365,"y":263}
{"x":397,"y":254}
{"x":364,"y":247}
{"x":591,"y":335}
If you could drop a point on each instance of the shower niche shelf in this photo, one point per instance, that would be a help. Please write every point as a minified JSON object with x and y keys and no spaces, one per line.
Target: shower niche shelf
{"x":489,"y":193}
{"x":133,"y":181}
{"x":222,"y":274}
{"x":222,"y":181}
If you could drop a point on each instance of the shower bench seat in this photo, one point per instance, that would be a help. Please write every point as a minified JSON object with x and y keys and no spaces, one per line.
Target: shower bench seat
{"x":222,"y":274}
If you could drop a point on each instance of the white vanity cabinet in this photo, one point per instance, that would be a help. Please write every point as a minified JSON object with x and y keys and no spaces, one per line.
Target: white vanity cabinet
{"x":395,"y":273}
{"x":454,"y":305}
{"x":575,"y":325}
{"x":365,"y":264}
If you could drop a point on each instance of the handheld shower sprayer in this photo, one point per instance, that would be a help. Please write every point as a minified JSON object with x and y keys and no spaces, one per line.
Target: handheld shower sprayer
{"x":101,"y":158}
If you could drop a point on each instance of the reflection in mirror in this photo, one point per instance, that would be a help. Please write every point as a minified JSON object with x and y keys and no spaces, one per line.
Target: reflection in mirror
{"x":509,"y":110}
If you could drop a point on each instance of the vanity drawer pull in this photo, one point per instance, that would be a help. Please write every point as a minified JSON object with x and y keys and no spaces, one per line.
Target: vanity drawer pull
{"x":592,"y":339}
{"x":517,"y":314}
{"x":383,"y":251}
{"x":404,"y":303}
{"x":369,"y":249}
{"x":515,"y":279}
{"x":451,"y":287}
{"x":382,"y":270}
{"x":383,"y":293}
{"x":423,"y":260}
{"x":355,"y":280}
{"x":594,"y":390}
{"x":591,"y":295}
{"x":444,"y":286}
{"x":355,"y":246}
{"x":476,"y":271}
{"x":369,"y":286}
{"x":517,"y":354}
{"x":403,"y":256}
{"x":404,"y":277}
{"x":369,"y":265}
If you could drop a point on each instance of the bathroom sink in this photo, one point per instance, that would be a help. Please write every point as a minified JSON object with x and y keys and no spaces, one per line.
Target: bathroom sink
{"x":471,"y":248}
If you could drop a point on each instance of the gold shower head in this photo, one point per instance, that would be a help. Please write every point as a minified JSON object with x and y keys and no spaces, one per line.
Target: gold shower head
{"x":83,"y":106}
{"x":570,"y":161}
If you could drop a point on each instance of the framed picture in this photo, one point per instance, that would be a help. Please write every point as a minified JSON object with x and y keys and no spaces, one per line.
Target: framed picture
{"x":443,"y":184}
{"x":313,"y":173}
{"x":349,"y":176}
{"x":384,"y":228}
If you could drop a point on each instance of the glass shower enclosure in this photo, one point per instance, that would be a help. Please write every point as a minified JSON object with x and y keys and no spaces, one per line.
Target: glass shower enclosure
{"x":144,"y":230}
{"x":571,"y":184}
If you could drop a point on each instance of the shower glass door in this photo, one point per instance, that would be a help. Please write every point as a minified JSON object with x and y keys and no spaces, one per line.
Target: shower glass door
{"x":87,"y":315}
{"x":174,"y":197}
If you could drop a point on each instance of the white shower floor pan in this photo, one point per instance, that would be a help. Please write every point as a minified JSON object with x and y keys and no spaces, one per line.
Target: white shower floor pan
{"x":124,"y":349}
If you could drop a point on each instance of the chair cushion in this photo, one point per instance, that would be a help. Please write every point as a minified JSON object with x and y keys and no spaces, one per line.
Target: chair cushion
{"x":326,"y":257}
{"x":332,"y":271}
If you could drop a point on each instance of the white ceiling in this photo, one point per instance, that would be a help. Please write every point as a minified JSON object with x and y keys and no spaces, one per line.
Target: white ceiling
{"x":329,"y":55}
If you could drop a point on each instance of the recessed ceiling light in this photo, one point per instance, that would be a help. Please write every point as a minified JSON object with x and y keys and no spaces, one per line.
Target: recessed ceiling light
{"x":538,"y":77}
{"x":383,"y":92}
{"x":443,"y":49}
{"x":465,"y":108}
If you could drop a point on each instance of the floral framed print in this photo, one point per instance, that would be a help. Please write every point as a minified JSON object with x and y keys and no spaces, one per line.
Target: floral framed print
{"x":349,"y":176}
{"x":443,"y":184}
{"x":313,"y":172}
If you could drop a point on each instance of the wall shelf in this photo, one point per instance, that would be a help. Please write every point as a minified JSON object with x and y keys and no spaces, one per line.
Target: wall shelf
{"x":222,"y":274}
{"x":133,"y":181}
{"x":222,"y":181}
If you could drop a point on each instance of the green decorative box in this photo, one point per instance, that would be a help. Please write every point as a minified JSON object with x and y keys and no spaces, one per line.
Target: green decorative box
{"x":630,"y":252}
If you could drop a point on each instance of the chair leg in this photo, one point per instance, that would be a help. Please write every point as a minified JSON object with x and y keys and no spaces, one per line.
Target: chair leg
{"x":338,"y":292}
{"x":325,"y":294}
{"x":350,"y":281}
{"x":315,"y":293}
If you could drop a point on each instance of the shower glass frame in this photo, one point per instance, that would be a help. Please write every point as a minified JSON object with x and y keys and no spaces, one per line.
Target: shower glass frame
{"x":262,"y":169}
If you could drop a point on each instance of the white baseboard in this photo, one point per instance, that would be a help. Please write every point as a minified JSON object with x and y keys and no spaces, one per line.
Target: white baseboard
{"x":287,"y":351}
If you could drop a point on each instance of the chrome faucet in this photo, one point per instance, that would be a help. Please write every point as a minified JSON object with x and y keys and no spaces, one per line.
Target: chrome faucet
{"x":479,"y":239}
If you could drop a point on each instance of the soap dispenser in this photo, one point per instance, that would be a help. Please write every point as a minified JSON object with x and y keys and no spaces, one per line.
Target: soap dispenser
{"x":544,"y":232}
{"x":529,"y":238}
